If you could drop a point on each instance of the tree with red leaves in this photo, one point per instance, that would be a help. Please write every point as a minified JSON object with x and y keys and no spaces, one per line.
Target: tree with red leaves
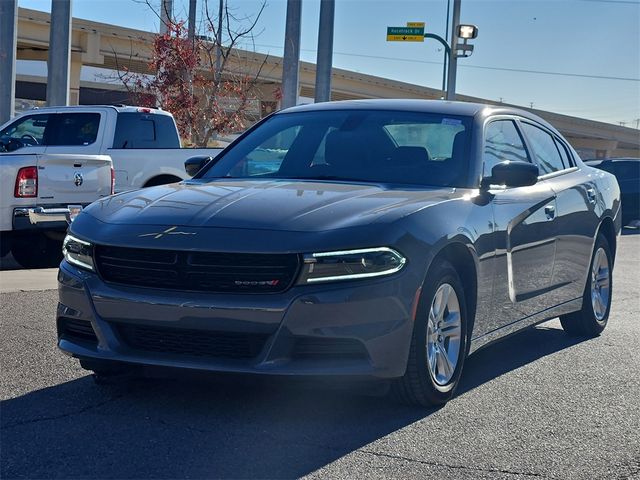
{"x":193,"y":78}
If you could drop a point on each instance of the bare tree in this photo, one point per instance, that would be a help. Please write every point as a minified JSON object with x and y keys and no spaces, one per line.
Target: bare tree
{"x":205,"y":82}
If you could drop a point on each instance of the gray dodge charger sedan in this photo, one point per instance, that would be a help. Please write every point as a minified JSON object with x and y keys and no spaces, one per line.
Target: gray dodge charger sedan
{"x":382,"y":239}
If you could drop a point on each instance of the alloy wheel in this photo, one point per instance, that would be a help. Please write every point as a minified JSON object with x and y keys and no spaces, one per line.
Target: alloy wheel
{"x":444,"y":328}
{"x":600,"y":284}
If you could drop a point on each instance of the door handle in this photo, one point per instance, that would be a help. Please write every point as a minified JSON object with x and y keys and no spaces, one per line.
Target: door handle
{"x":550,"y":212}
{"x":591,"y":195}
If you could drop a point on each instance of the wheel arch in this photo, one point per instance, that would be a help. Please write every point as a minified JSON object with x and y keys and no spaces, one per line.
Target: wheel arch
{"x":162,"y":179}
{"x":461,"y":254}
{"x":608,"y":230}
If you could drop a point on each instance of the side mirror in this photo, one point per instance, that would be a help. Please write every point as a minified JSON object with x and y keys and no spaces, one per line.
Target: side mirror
{"x":194,"y":164}
{"x":513,"y":174}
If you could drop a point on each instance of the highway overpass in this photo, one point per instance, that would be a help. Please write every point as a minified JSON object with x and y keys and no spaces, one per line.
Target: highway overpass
{"x":110,"y":47}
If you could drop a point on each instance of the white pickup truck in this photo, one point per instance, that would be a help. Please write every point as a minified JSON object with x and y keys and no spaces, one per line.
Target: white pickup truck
{"x":142,"y":142}
{"x":54,"y":157}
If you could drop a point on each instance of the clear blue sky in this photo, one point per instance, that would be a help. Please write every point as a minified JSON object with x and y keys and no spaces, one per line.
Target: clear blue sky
{"x":577,"y":37}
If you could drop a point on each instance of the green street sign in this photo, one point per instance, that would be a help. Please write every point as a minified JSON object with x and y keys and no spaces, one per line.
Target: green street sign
{"x":405,"y":31}
{"x":405,"y":34}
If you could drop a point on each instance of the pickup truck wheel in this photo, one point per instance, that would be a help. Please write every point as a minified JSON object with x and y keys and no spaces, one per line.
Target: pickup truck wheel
{"x":36,"y":251}
{"x":5,"y":243}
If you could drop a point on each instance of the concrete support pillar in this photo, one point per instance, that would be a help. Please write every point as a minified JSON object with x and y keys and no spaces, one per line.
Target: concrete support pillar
{"x":8,"y":47}
{"x":166,"y":15}
{"x":59,"y":63}
{"x":291,"y":58}
{"x":325,"y":51}
{"x":74,"y":80}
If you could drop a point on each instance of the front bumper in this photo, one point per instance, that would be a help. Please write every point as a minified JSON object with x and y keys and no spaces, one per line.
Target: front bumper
{"x":53,"y":217}
{"x":358,"y":328}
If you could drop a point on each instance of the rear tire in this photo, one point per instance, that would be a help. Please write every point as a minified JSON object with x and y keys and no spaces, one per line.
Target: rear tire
{"x":592,"y":319}
{"x":430,"y":378}
{"x":36,"y":250}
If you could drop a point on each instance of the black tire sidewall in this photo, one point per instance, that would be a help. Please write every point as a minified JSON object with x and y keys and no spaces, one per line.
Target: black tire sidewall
{"x":442,"y":272}
{"x":601,"y":242}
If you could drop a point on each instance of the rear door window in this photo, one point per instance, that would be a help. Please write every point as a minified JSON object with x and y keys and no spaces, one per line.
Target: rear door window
{"x":72,"y":129}
{"x":145,"y":130}
{"x":545,"y":151}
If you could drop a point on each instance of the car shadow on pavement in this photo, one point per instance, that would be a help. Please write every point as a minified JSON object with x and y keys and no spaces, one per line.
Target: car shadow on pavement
{"x":228,"y":427}
{"x":513,"y":352}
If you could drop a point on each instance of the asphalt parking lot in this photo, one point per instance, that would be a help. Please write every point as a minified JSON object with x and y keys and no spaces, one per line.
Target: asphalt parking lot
{"x":539,"y":404}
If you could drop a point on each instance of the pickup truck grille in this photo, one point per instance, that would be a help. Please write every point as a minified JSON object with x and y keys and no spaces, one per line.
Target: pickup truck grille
{"x":197,"y":271}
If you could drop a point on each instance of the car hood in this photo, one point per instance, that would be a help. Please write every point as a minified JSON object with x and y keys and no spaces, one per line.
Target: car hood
{"x":271,"y":205}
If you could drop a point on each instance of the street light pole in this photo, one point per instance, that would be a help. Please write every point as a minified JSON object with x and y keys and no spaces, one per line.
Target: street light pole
{"x":453,"y":57}
{"x":291,"y":58}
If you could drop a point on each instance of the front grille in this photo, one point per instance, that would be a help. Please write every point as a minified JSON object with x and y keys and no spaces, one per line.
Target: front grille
{"x":313,"y":348}
{"x":193,"y":343}
{"x":74,"y":329}
{"x":197,"y":271}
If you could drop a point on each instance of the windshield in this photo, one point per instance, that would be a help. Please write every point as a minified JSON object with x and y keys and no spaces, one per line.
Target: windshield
{"x":353,"y":145}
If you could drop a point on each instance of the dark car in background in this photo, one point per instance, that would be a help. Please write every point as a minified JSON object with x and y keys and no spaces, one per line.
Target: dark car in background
{"x":627,"y":172}
{"x":384,"y":239}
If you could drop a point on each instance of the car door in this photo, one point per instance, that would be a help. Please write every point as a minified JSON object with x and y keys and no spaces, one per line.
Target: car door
{"x":578,"y":208}
{"x":524,"y":229}
{"x":77,"y":131}
{"x":28,"y":133}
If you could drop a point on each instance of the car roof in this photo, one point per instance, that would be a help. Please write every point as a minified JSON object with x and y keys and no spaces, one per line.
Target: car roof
{"x":118,"y":108}
{"x":444,"y":107}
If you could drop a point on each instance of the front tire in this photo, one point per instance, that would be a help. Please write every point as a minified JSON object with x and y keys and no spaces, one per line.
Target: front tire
{"x":592,"y":319}
{"x":439,"y":341}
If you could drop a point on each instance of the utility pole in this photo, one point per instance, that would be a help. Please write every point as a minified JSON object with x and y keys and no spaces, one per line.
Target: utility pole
{"x":166,"y":15}
{"x":453,"y":58}
{"x":59,"y":62}
{"x":291,"y":59}
{"x":8,"y":48}
{"x":191,"y":32}
{"x":325,"y":51}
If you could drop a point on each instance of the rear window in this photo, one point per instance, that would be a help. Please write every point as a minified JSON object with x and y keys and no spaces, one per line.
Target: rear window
{"x":73,"y":129}
{"x":353,"y":145}
{"x":144,"y":130}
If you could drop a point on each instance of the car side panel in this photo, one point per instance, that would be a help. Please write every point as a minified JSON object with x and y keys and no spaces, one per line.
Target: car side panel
{"x":525,"y":252}
{"x":580,"y":207}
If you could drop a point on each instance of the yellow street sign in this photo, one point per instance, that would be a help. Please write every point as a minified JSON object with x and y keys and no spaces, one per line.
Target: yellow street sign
{"x":405,"y":38}
{"x":416,"y":24}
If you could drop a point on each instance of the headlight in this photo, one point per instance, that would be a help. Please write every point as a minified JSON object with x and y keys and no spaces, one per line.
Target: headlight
{"x":78,"y":252}
{"x":350,"y":265}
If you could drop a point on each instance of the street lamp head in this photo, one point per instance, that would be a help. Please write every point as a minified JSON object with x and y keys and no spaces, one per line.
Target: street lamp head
{"x":467,"y":31}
